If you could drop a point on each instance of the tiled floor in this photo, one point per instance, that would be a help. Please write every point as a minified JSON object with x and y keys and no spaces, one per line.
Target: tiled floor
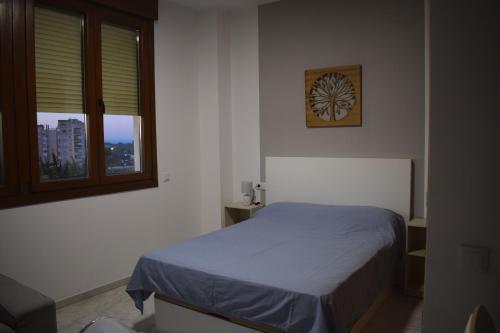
{"x":113,"y":304}
{"x":398,"y":314}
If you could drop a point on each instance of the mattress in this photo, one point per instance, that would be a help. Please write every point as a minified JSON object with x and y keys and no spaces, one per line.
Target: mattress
{"x":295,"y":267}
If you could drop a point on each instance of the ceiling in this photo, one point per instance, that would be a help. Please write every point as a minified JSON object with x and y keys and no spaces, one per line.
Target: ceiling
{"x":226,"y":4}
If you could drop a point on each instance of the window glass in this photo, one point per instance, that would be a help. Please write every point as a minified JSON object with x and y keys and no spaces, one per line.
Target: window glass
{"x":62,"y":145}
{"x":120,"y":84}
{"x":122,"y":144}
{"x":61,"y":119}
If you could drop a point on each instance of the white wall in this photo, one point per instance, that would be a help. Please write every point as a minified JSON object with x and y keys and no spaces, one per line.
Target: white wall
{"x":209,"y":109}
{"x":463,"y":163}
{"x":245,"y":97}
{"x":69,"y":247}
{"x":225,"y":115}
{"x":228,"y":102}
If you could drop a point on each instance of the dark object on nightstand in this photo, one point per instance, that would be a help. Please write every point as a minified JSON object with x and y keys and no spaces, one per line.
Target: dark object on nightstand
{"x":25,"y":310}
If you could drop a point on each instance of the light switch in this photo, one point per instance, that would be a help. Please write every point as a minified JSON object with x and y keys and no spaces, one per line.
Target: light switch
{"x":474,"y":258}
{"x":165,"y":177}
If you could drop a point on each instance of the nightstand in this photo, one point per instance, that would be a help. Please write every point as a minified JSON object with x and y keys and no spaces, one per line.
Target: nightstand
{"x":415,"y":257}
{"x":236,"y":212}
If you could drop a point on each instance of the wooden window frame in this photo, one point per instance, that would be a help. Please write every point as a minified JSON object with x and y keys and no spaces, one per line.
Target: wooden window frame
{"x":145,"y":111}
{"x":25,"y":187}
{"x":78,"y":8}
{"x":8,"y":186}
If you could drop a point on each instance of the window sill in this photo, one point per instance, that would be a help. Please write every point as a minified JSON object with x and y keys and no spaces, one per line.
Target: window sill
{"x":34,"y":198}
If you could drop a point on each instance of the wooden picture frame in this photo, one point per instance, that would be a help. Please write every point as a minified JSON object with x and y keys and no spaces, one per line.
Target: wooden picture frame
{"x":333,"y":96}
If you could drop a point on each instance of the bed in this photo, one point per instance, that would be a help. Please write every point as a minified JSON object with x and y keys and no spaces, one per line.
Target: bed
{"x":303,"y":265}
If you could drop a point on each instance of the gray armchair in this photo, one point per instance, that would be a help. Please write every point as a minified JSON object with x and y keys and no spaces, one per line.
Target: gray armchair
{"x":25,"y":310}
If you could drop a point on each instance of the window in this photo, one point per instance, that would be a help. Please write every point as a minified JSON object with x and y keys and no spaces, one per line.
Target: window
{"x":120,"y":90}
{"x":85,"y":123}
{"x":61,"y":115}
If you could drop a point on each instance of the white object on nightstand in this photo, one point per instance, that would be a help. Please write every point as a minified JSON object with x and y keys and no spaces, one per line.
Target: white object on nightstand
{"x":248,"y":193}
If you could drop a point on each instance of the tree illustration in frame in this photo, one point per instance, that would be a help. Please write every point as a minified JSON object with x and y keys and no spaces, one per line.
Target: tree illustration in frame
{"x":333,"y":96}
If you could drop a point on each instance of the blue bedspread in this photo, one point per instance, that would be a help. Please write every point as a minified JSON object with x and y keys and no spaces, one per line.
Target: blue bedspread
{"x":293,"y":266}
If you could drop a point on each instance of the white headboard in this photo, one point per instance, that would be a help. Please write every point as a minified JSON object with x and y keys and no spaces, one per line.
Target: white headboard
{"x":378,"y":182}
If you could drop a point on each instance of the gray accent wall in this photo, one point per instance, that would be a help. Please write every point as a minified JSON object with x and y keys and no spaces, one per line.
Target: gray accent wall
{"x":464,"y":165}
{"x":386,"y":38}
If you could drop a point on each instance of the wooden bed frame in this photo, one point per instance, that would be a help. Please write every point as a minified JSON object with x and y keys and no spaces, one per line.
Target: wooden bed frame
{"x":384,"y":183}
{"x":180,"y":317}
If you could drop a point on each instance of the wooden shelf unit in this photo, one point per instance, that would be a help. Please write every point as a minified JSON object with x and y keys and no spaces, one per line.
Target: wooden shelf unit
{"x":417,"y":253}
{"x":236,"y":212}
{"x":417,"y":223}
{"x":416,"y":241}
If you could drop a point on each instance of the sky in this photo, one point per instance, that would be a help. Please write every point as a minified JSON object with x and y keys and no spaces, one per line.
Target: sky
{"x":117,"y":128}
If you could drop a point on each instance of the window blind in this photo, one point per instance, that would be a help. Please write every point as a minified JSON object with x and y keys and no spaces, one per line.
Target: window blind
{"x":119,"y":70}
{"x":58,"y":61}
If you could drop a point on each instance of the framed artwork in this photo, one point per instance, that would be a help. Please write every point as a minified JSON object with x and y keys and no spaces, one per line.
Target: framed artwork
{"x":333,"y":96}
